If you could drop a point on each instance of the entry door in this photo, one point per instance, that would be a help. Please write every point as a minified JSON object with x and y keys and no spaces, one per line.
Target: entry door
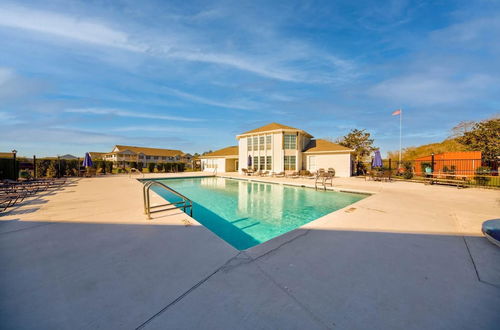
{"x":312,"y":163}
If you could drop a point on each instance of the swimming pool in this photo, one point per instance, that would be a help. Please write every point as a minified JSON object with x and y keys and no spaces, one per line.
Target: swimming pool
{"x":246,"y":213}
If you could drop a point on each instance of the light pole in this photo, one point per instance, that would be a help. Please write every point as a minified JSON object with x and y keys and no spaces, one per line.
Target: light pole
{"x":14,"y":153}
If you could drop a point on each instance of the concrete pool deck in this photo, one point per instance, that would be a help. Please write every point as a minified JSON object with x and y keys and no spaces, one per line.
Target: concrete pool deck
{"x":409,"y":256}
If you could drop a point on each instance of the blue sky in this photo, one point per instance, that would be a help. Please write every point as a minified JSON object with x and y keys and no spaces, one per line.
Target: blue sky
{"x":79,"y":76}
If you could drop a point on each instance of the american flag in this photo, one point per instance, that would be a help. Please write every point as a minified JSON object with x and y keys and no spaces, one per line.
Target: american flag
{"x":397,"y":112}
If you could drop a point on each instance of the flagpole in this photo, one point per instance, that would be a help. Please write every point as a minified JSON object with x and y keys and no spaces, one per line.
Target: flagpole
{"x":400,"y":134}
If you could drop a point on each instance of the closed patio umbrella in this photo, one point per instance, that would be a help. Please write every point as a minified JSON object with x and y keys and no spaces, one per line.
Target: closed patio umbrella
{"x":87,"y":161}
{"x":377,"y":160}
{"x":249,"y":161}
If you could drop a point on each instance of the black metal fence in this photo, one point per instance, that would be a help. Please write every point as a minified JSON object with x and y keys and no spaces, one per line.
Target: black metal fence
{"x":476,"y":172}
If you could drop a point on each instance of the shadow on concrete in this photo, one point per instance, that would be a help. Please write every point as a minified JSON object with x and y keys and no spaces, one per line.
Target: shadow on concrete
{"x":92,"y":275}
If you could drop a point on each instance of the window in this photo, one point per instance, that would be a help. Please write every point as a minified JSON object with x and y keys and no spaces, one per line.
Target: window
{"x":141,"y":157}
{"x":262,"y":163}
{"x":290,"y":141}
{"x":156,"y":158}
{"x":290,"y":163}
{"x":164,"y":158}
{"x":268,"y":163}
{"x":249,"y":142}
{"x":261,"y":143}
{"x":255,"y":143}
{"x":268,"y":142}
{"x":148,"y":157}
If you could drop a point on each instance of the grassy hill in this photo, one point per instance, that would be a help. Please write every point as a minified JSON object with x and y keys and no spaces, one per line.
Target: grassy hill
{"x":409,"y":153}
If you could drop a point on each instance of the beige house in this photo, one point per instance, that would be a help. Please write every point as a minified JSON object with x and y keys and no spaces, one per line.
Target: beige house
{"x":222,"y":160}
{"x":124,"y":155}
{"x":280,"y":148}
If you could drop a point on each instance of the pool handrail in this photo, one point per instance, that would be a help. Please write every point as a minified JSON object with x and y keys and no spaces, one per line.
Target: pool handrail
{"x":184,"y":204}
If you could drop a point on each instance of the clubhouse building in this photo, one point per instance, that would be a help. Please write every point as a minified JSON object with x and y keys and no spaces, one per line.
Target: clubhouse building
{"x":279,"y":148}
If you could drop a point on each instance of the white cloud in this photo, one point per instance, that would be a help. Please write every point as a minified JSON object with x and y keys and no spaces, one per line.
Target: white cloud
{"x":129,"y":114}
{"x":277,"y":63}
{"x":64,"y":26}
{"x":242,"y":105}
{"x":430,"y":89}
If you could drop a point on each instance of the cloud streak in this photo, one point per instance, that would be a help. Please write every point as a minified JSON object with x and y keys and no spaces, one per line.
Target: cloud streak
{"x":179,"y":48}
{"x":128,"y":114}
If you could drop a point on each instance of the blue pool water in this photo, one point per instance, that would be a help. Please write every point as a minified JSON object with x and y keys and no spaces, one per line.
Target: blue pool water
{"x":245,"y":213}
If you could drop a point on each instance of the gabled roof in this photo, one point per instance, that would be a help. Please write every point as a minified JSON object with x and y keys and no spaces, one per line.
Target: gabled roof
{"x":97,"y":155}
{"x":320,"y":145}
{"x":150,"y":151}
{"x":224,"y":152}
{"x":275,"y":127}
{"x":6,"y":155}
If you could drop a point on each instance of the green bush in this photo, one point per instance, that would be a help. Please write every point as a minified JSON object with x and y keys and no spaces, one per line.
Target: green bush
{"x":52,"y":169}
{"x":151,"y":167}
{"x":408,"y":170}
{"x":140,"y":166}
{"x":482,"y":175}
{"x":159,"y":167}
{"x":109,"y":167}
{"x":8,"y":170}
{"x":133,"y":164}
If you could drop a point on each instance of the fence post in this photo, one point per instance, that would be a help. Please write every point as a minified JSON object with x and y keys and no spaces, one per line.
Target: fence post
{"x":16,"y":170}
{"x":34,"y":166}
{"x":390,"y":164}
{"x":432,"y":163}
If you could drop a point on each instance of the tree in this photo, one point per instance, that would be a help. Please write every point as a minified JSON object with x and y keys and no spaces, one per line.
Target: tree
{"x":484,"y":137}
{"x":461,"y":128}
{"x":360,"y":141}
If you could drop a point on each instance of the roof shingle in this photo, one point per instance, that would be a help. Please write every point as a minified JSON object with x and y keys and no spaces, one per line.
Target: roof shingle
{"x":150,"y":151}
{"x":274,"y":127}
{"x":228,"y":151}
{"x":320,"y":145}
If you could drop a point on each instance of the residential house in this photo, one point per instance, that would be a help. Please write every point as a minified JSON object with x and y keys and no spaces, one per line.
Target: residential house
{"x":124,"y":155}
{"x":280,"y":148}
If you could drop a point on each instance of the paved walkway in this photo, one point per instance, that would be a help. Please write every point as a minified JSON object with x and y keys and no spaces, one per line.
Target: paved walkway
{"x":409,"y":256}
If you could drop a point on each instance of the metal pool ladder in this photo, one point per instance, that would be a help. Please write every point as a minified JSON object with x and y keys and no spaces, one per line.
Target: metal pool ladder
{"x":184,"y":204}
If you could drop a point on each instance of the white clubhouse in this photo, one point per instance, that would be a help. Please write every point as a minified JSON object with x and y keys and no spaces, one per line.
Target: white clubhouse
{"x":279,"y":148}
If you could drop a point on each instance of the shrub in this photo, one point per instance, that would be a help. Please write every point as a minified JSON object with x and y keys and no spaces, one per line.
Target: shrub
{"x":408,"y":170}
{"x":52,"y":169}
{"x":109,"y":167}
{"x":482,"y":175}
{"x":159,"y":167}
{"x":181,"y":167}
{"x":151,"y":167}
{"x":133,"y":164}
{"x":140,"y":166}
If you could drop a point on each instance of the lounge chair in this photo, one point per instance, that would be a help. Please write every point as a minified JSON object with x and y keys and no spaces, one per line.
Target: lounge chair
{"x":265,"y":173}
{"x":293,"y":175}
{"x":280,"y":175}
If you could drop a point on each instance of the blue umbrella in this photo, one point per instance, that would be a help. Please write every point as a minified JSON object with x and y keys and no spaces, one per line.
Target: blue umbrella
{"x":249,"y":161}
{"x":87,"y":162}
{"x":377,"y":160}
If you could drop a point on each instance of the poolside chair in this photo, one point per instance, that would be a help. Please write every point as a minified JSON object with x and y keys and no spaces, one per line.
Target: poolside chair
{"x":293,"y":175}
{"x":331,"y":171}
{"x":265,"y":173}
{"x":280,"y":175}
